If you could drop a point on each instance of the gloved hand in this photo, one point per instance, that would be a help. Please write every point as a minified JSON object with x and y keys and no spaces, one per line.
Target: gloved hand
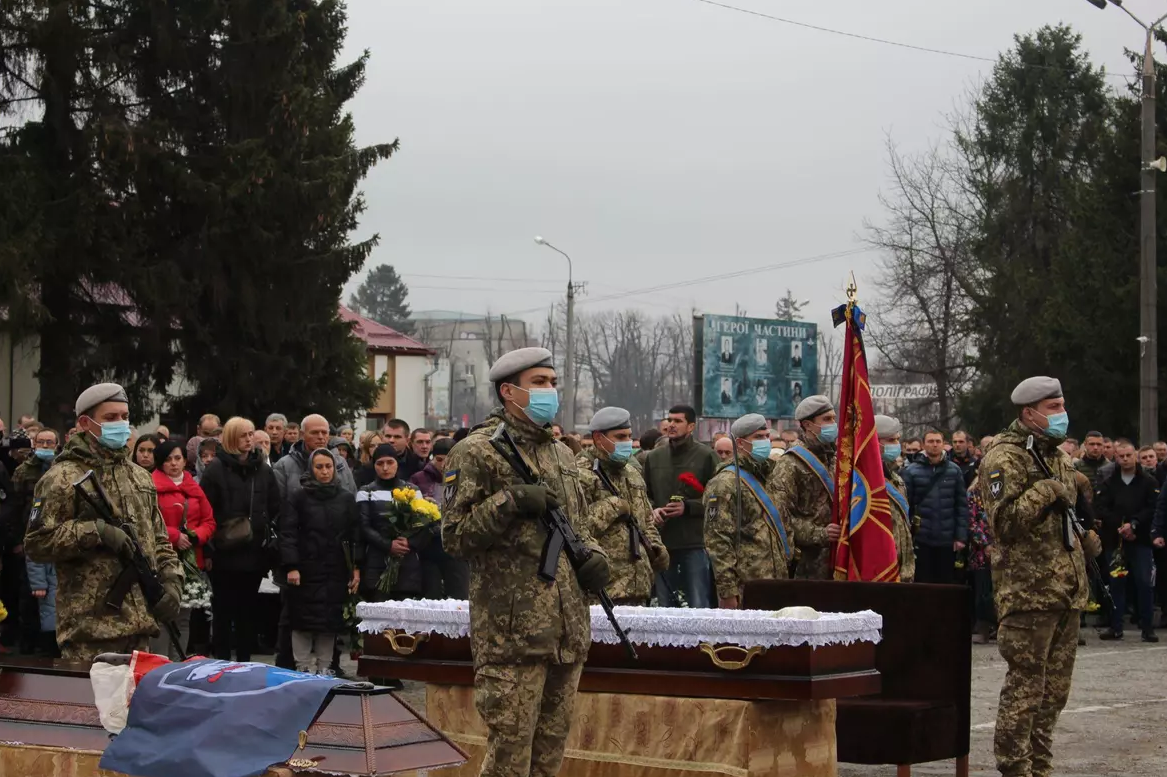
{"x":533,"y":501}
{"x":1092,"y":544}
{"x":594,"y":574}
{"x":1053,"y":492}
{"x":660,"y":558}
{"x":168,"y":606}
{"x":113,"y":538}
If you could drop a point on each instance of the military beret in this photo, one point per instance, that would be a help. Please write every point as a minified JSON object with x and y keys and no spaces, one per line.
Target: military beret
{"x":95,"y":395}
{"x":608,"y":418}
{"x":511,"y":364}
{"x":886,"y":426}
{"x":748,"y":424}
{"x":812,"y":406}
{"x":1033,"y":390}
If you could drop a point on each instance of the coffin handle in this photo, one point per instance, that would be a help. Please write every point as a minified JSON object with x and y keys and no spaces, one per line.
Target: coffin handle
{"x":404,"y":644}
{"x":737,"y":657}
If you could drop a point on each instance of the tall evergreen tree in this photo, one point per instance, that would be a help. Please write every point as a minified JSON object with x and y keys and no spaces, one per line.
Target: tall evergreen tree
{"x":789,"y":307}
{"x":382,"y":297}
{"x":1035,"y":149}
{"x":250,"y":183}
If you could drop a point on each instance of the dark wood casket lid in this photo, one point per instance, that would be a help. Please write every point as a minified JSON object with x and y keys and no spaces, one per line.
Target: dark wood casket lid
{"x":359,"y":732}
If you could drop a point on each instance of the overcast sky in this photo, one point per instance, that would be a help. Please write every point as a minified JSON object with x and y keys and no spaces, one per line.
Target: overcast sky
{"x":660,"y":141}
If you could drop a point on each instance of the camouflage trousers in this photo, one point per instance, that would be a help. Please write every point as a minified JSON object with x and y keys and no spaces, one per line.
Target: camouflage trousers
{"x":1039,"y":648}
{"x":84,"y":652}
{"x":527,"y":709}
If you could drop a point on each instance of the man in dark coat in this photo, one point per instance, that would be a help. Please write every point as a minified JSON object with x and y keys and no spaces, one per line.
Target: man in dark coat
{"x":938,"y":500}
{"x":1126,"y":503}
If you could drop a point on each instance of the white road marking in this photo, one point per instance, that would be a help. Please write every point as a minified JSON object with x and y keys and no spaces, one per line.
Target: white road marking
{"x":1092,"y":708}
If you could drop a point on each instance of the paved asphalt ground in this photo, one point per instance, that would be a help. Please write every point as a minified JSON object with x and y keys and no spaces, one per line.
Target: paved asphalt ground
{"x":1114,"y":726}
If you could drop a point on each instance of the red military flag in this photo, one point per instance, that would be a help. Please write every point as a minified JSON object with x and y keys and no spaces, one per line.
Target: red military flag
{"x":866,"y":549}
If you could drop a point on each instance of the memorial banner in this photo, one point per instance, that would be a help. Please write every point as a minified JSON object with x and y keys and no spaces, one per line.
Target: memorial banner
{"x":754,"y":365}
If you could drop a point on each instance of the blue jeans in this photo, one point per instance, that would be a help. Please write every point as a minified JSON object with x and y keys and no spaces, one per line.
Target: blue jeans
{"x":1139,"y":561}
{"x":690,"y":574}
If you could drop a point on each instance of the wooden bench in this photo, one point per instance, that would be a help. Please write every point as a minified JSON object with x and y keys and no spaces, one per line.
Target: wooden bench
{"x":925,"y":660}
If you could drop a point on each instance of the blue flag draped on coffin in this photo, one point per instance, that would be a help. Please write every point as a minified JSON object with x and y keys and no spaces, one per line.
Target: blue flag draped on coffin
{"x":209,"y":718}
{"x":866,"y":549}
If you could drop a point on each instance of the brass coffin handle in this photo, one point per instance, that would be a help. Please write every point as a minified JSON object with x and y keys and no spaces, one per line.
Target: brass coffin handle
{"x":404,"y":644}
{"x":746,"y":655}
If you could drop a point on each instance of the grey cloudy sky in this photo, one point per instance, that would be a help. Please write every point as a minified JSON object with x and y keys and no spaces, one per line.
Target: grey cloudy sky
{"x":660,"y":141}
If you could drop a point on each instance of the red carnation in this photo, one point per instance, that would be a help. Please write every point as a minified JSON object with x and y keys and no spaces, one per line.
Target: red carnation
{"x":690,"y":480}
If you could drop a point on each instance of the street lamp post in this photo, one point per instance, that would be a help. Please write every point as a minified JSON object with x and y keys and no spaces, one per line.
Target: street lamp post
{"x":568,"y":382}
{"x":1148,"y":291}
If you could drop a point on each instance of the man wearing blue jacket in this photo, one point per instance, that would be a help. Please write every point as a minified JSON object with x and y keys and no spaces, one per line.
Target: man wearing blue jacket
{"x":939,"y":506}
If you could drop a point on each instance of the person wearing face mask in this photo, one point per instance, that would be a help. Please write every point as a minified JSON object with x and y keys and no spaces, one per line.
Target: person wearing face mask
{"x":755,"y":543}
{"x":889,"y":431}
{"x":38,"y":615}
{"x":1039,"y":574}
{"x":619,"y":520}
{"x":529,"y":638}
{"x":90,"y":553}
{"x":804,"y":488}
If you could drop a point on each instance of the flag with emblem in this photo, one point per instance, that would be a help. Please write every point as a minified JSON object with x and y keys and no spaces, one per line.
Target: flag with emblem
{"x":866,"y":549}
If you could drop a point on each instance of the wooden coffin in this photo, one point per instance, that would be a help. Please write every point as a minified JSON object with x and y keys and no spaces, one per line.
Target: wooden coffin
{"x":50,"y":704}
{"x":708,"y":670}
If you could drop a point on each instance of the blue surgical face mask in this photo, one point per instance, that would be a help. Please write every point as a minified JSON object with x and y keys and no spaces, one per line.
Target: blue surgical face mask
{"x":622,"y":452}
{"x":828,"y":433}
{"x":45,"y":454}
{"x":760,"y":449}
{"x":542,"y":404}
{"x":1059,"y":424}
{"x":891,"y":451}
{"x":115,"y":435}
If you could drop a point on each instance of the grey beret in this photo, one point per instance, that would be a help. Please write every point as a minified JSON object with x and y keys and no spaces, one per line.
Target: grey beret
{"x":1033,"y":390}
{"x":95,"y":395}
{"x":510,"y":364}
{"x":608,"y":418}
{"x":886,"y":426}
{"x":812,"y":406}
{"x":748,"y":424}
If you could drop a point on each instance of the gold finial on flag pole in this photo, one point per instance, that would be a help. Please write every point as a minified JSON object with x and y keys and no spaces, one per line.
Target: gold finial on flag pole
{"x":852,"y":290}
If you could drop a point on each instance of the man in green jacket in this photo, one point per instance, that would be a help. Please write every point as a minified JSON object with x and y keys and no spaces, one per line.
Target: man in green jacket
{"x":676,"y":475}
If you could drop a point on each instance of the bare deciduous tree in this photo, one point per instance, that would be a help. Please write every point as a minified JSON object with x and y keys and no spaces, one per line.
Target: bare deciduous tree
{"x":923,"y":328}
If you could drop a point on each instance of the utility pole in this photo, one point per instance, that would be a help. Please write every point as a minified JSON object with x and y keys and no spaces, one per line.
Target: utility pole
{"x":567,"y":382}
{"x":1148,"y":288}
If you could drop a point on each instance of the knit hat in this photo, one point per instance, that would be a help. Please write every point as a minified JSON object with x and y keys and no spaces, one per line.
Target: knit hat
{"x":384,"y":450}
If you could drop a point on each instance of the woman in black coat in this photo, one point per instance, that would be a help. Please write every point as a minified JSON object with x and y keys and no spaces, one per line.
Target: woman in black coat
{"x":245,"y":500}
{"x":319,"y":536}
{"x":375,"y":502}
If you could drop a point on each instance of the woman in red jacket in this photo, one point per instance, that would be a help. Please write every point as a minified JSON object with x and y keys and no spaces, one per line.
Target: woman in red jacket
{"x":190,"y":524}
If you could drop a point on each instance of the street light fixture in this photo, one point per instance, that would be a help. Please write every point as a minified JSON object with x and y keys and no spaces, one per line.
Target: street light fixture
{"x":1148,"y":291}
{"x":568,"y":382}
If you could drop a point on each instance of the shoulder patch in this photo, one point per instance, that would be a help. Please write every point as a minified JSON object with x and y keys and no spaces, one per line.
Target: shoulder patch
{"x":34,"y":515}
{"x":996,"y":483}
{"x":451,"y":481}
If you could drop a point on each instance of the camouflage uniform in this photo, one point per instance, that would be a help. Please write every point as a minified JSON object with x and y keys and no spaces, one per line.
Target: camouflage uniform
{"x":528,"y":639}
{"x":805,"y":505}
{"x":61,"y":530}
{"x":761,"y":555}
{"x":632,"y":579}
{"x":1040,"y":589}
{"x":902,"y":531}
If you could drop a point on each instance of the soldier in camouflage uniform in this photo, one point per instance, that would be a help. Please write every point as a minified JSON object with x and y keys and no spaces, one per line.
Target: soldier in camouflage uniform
{"x":612,"y":517}
{"x":1039,"y":583}
{"x":529,"y":639}
{"x":755,"y":545}
{"x":90,"y":553}
{"x":802,"y":497}
{"x":890,"y":430}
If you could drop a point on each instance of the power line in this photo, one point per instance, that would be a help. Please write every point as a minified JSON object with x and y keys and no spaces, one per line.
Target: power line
{"x":872,"y":39}
{"x":709,"y":278}
{"x":485,"y":278}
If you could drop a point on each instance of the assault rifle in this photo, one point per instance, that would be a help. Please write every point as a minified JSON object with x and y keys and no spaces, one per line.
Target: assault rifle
{"x":1072,"y":527}
{"x":561,"y":536}
{"x":136,"y":568}
{"x":636,"y":538}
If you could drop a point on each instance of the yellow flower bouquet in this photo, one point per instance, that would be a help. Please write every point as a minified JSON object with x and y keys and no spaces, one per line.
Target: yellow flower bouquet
{"x":410,"y":515}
